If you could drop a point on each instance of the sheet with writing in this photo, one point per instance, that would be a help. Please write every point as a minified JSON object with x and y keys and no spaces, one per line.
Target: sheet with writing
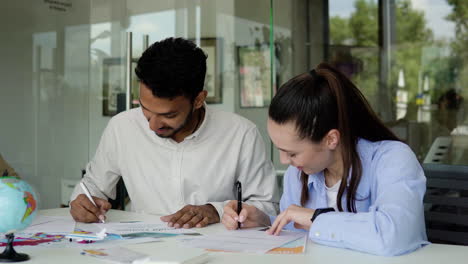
{"x":252,"y":241}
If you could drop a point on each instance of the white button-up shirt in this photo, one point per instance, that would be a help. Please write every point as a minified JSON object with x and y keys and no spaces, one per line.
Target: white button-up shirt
{"x":162,"y":176}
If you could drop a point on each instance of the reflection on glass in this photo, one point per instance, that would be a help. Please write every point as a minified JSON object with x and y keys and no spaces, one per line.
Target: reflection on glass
{"x":100,"y":41}
{"x":158,"y":25}
{"x":354,"y":45}
{"x":428,"y":68}
{"x":428,"y":51}
{"x":254,"y":75}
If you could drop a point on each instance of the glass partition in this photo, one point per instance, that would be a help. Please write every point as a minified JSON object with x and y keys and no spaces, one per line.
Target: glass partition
{"x":66,"y":70}
{"x":409,"y":60}
{"x":44,"y":93}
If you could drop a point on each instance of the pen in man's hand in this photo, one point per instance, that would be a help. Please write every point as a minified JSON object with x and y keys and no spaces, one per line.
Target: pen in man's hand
{"x":239,"y":201}
{"x":88,"y":194}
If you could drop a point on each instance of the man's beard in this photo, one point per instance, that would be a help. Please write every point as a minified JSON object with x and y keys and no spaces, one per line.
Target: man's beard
{"x":186,"y":121}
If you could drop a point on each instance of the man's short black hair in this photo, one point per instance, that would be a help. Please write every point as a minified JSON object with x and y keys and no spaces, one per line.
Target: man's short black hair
{"x":173,"y":67}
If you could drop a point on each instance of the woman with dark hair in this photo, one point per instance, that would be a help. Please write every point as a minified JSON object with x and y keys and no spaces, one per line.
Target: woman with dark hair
{"x":351,"y":182}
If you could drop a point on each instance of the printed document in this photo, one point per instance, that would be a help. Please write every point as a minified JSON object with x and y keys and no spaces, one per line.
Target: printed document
{"x":252,"y":241}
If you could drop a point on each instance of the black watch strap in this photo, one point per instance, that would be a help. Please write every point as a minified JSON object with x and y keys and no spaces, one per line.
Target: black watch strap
{"x":319,"y":211}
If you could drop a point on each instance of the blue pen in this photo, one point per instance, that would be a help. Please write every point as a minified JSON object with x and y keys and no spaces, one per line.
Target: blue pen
{"x":239,"y":201}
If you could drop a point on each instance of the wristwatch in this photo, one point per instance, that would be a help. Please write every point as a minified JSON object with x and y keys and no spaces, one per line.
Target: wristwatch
{"x":319,"y":211}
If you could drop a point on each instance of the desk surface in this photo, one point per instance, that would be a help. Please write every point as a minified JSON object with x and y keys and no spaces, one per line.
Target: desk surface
{"x":434,"y":253}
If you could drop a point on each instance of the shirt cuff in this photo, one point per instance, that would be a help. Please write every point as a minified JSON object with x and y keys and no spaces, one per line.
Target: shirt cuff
{"x":324,"y":229}
{"x":219,"y":206}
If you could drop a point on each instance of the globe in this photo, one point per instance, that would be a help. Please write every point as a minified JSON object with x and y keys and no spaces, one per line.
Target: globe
{"x":18,"y":207}
{"x":18,"y":204}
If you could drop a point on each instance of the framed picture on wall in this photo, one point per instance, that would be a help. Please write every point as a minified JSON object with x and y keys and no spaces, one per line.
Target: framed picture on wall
{"x":113,"y":86}
{"x":254,"y":75}
{"x":113,"y":74}
{"x":213,"y":81}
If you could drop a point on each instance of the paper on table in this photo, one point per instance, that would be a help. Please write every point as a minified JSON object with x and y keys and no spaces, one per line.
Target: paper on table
{"x":252,"y":241}
{"x":115,"y":254}
{"x":140,"y":227}
{"x":297,"y":246}
{"x":51,"y":224}
{"x":127,"y":256}
{"x":177,"y":255}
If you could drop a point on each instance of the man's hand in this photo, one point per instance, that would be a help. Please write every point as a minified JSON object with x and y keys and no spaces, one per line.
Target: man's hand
{"x":192,"y":216}
{"x":299,"y":215}
{"x":83,"y":210}
{"x":250,"y":216}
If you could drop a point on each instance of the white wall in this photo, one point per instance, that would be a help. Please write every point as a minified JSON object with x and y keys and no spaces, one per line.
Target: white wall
{"x":52,"y":62}
{"x":43,"y":96}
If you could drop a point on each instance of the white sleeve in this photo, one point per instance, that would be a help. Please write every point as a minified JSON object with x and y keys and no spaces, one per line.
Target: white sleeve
{"x":257,"y":174}
{"x":102,"y":172}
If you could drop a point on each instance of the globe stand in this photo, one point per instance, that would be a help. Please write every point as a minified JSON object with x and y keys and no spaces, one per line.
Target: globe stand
{"x":10,"y":255}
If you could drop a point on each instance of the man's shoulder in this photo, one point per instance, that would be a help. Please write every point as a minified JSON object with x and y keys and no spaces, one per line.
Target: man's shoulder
{"x":125,"y":117}
{"x":229,"y":119}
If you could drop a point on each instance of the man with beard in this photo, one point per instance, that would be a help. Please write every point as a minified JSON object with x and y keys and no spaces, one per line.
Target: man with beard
{"x":177,"y":156}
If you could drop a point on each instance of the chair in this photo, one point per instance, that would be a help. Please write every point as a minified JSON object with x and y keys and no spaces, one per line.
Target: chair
{"x":439,"y":151}
{"x":121,"y":194}
{"x":446,"y":203}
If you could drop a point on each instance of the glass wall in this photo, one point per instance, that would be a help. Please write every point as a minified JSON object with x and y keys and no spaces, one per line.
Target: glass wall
{"x":234,"y":34}
{"x":409,"y":59}
{"x":429,"y":69}
{"x":67,"y":68}
{"x":44,"y":92}
{"x":299,"y":37}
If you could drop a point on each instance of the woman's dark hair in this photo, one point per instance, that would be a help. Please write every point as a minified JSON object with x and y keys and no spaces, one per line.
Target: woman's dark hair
{"x":326,"y":99}
{"x":173,"y":67}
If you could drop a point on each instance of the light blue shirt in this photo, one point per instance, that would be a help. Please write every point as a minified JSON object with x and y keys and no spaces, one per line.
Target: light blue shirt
{"x":389,"y":203}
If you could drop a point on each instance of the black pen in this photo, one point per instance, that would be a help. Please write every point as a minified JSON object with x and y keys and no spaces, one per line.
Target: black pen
{"x":239,"y":201}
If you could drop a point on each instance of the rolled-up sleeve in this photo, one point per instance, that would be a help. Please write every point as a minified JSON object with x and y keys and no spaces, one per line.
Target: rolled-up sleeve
{"x":394,"y":224}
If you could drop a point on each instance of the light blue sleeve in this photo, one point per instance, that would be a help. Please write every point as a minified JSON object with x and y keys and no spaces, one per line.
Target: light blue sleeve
{"x":291,"y":191}
{"x":394,"y":224}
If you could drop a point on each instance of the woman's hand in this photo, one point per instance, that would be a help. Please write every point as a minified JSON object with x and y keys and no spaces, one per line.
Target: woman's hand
{"x":299,"y":215}
{"x":250,"y":216}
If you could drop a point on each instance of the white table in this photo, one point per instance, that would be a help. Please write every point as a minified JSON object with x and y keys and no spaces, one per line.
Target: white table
{"x":434,"y":253}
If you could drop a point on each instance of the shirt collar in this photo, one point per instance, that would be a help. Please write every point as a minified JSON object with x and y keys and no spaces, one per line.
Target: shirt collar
{"x":203,"y":125}
{"x":170,"y":141}
{"x":316,"y":179}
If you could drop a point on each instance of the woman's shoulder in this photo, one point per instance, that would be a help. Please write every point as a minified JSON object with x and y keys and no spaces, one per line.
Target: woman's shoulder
{"x":292,"y":172}
{"x":390,"y":156}
{"x":377,"y":149}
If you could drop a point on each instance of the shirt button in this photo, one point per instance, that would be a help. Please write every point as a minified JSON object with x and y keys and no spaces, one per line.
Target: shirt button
{"x":317,"y":234}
